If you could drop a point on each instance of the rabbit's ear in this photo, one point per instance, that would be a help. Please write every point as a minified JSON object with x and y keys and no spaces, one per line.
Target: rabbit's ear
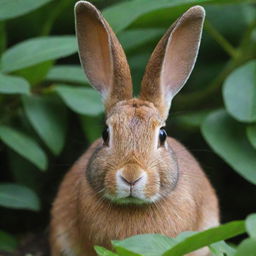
{"x":173,"y":59}
{"x":101,"y":55}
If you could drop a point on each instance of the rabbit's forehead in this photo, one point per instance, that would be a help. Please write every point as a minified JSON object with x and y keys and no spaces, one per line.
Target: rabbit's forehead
{"x":135,"y":113}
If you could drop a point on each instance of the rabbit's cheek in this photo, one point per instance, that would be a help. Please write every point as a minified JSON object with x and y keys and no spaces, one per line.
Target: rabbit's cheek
{"x":110,"y":184}
{"x":152,"y":188}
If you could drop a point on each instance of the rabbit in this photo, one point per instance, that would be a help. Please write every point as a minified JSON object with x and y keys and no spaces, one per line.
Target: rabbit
{"x":135,"y":179}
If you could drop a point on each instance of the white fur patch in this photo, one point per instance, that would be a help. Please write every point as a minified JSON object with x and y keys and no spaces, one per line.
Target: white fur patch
{"x":64,"y":243}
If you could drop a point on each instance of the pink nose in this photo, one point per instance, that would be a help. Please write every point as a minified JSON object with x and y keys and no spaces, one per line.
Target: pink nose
{"x":130,"y":182}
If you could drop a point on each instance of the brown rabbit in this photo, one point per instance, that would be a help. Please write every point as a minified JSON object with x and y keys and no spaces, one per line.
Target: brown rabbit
{"x":135,"y":179}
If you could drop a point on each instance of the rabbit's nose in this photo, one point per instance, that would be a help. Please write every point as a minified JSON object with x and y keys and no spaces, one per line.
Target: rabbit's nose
{"x":130,"y":182}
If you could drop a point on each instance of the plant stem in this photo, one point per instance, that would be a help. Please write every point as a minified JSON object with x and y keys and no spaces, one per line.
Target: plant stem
{"x":3,"y":37}
{"x":56,"y":11}
{"x":222,"y":41}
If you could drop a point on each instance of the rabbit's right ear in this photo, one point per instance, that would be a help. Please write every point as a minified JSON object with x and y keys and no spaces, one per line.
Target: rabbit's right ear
{"x":101,"y":55}
{"x":173,"y":59}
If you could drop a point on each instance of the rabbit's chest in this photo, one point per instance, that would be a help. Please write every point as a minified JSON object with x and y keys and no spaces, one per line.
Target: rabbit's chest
{"x":118,"y":223}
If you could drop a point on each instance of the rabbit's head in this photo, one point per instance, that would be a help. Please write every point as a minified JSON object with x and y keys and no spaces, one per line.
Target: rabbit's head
{"x":134,"y":163}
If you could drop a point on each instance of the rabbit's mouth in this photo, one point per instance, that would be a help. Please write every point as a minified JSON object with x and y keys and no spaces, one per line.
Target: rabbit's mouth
{"x":131,"y":187}
{"x":128,"y":200}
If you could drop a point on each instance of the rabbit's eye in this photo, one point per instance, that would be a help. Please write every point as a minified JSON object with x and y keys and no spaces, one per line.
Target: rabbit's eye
{"x":162,"y":136}
{"x":105,"y":135}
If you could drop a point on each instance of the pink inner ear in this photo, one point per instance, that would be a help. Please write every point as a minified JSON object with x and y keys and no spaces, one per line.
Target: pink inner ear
{"x":95,"y":53}
{"x":180,"y":55}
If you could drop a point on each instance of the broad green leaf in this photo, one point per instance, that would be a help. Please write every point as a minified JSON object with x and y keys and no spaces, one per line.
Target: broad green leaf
{"x":67,"y":73}
{"x":37,"y":50}
{"x":222,"y":249}
{"x":130,"y":39}
{"x":18,"y":197}
{"x":49,"y":118}
{"x":228,"y":139}
{"x":247,"y":248}
{"x":7,"y":242}
{"x":103,"y":252}
{"x":206,"y":237}
{"x":35,"y":74}
{"x":250,"y":224}
{"x":239,"y":92}
{"x":251,"y":134}
{"x":92,"y":127}
{"x":14,"y":8}
{"x":123,"y":14}
{"x":146,"y":245}
{"x":24,"y":145}
{"x":82,"y":100}
{"x":13,"y":85}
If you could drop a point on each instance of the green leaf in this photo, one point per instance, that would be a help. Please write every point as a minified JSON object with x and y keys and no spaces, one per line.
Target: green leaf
{"x":35,"y":74}
{"x":82,"y":100}
{"x":24,"y":145}
{"x":18,"y":197}
{"x":206,"y":237}
{"x":131,"y":39}
{"x":14,"y":8}
{"x":92,"y":127}
{"x":7,"y":242}
{"x":192,"y":119}
{"x":48,"y":116}
{"x":104,"y":252}
{"x":37,"y":50}
{"x":123,"y":14}
{"x":146,"y":245}
{"x":239,"y":92}
{"x":222,"y":249}
{"x":247,"y":248}
{"x":251,"y":134}
{"x":24,"y":172}
{"x":227,"y":138}
{"x":13,"y":84}
{"x":250,"y":224}
{"x":67,"y":73}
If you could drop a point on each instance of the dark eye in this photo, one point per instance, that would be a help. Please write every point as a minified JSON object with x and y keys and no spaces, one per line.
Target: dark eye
{"x":162,"y":136}
{"x":105,"y":135}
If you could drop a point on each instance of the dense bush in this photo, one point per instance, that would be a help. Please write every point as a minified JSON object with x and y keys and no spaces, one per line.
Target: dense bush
{"x":49,"y":114}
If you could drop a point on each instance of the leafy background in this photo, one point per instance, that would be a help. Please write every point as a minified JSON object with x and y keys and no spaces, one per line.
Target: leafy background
{"x":49,"y":114}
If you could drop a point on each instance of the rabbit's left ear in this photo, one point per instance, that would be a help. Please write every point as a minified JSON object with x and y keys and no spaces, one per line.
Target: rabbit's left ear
{"x":173,"y":59}
{"x":101,"y":55}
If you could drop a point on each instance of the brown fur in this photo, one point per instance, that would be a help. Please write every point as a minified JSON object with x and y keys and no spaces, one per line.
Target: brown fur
{"x":176,"y":194}
{"x":85,"y":219}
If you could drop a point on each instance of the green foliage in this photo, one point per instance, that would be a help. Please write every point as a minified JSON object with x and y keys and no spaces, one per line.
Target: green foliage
{"x":23,"y":145}
{"x":18,"y":197}
{"x":15,"y":8}
{"x":186,"y":242}
{"x":240,"y":87}
{"x":46,"y":103}
{"x":75,"y":97}
{"x":7,"y":242}
{"x":37,"y":50}
{"x":13,"y":84}
{"x":49,"y":118}
{"x":228,"y":139}
{"x":251,"y":225}
{"x":67,"y":73}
